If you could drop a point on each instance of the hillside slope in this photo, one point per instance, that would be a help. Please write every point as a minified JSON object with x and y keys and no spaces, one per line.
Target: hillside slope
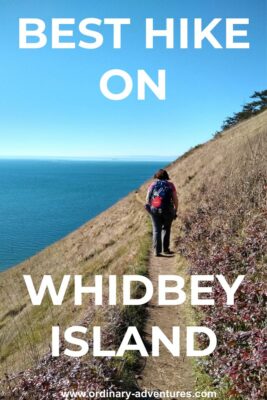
{"x":111,"y":244}
{"x":103,"y":246}
{"x":224,"y":231}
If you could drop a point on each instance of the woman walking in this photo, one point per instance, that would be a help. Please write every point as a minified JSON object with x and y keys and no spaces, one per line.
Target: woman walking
{"x":162,"y":204}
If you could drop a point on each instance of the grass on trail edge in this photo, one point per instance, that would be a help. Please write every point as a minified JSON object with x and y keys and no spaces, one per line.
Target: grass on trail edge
{"x":136,"y":316}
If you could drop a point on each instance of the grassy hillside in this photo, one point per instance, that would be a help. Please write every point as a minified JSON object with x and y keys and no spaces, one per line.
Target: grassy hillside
{"x":224,"y":231}
{"x":117,"y":242}
{"x":109,"y":244}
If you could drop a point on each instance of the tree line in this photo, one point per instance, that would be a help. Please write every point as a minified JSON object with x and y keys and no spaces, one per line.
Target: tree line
{"x":258,"y":104}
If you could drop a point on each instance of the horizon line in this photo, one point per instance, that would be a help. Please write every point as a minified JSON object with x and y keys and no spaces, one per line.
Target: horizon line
{"x":93,"y":158}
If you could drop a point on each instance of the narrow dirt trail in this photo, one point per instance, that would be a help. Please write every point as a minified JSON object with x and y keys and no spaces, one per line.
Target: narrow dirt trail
{"x":167,"y":372}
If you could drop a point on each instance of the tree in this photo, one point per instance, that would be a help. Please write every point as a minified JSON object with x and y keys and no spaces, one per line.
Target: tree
{"x":249,"y":109}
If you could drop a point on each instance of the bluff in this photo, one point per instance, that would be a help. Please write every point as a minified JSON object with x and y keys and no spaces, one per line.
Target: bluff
{"x":228,"y":171}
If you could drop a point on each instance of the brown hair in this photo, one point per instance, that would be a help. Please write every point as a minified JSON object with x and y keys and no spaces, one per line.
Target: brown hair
{"x":162,"y":175}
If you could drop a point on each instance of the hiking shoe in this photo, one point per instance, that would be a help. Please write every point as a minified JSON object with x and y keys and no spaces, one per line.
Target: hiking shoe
{"x":168,"y":251}
{"x":157,"y":254}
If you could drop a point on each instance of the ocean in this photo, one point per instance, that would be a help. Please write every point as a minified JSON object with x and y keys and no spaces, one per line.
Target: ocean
{"x":41,"y":201}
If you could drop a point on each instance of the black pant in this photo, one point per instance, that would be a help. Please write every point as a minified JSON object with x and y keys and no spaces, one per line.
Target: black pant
{"x":161,"y":231}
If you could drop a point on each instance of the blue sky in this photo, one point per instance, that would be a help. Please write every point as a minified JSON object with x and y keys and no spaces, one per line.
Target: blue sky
{"x":51,"y":104}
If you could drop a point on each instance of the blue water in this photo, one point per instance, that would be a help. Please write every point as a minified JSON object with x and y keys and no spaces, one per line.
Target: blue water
{"x":42,"y":201}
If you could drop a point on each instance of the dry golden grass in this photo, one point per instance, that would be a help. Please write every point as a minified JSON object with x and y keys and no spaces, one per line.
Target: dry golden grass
{"x":211,"y":162}
{"x":109,"y":244}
